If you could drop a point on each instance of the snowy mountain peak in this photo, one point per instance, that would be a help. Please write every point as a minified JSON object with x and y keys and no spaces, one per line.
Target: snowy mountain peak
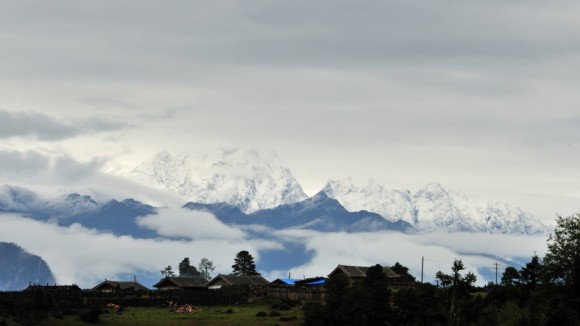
{"x":433,"y":208}
{"x":393,"y":205}
{"x":242,"y":178}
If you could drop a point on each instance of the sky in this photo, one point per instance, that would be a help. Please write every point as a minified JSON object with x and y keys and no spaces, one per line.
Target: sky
{"x":479,"y":96}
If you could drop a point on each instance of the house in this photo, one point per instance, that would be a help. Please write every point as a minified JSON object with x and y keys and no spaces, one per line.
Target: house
{"x":237,"y":280}
{"x":53,"y":288}
{"x":176,"y":283}
{"x":59,"y":296}
{"x":109,"y":286}
{"x":356,"y":274}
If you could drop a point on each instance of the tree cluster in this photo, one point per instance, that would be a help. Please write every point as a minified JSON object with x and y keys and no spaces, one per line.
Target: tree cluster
{"x":203,"y":270}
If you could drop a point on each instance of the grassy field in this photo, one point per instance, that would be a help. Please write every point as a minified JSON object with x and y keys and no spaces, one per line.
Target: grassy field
{"x":238,"y":315}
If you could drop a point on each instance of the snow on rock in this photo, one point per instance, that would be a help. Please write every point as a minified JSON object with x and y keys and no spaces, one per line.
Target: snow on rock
{"x":434,"y":208}
{"x":246,"y":179}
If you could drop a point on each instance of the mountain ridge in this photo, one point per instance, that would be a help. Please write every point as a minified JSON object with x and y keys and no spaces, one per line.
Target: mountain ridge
{"x":246,"y":179}
{"x":434,"y":208}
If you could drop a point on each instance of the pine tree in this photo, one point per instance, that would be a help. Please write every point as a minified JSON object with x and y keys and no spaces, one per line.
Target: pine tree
{"x":244,"y":264}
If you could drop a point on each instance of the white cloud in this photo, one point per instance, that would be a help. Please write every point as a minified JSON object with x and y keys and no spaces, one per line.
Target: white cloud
{"x":439,"y":251}
{"x":86,"y":257}
{"x":179,"y":222}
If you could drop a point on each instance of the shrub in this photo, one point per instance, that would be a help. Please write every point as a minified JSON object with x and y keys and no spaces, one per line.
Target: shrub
{"x":90,"y":315}
{"x":261,"y":314}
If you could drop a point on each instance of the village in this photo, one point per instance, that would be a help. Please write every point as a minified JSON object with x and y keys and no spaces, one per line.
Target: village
{"x":184,"y":293}
{"x":195,"y":290}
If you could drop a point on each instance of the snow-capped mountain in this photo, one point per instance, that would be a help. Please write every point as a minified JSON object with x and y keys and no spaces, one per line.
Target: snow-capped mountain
{"x":434,"y":208}
{"x":245,"y":179}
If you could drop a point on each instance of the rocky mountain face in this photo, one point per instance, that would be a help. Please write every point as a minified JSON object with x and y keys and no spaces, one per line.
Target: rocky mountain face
{"x":434,"y":208}
{"x":245,"y":179}
{"x":319,"y":213}
{"x":18,"y":268}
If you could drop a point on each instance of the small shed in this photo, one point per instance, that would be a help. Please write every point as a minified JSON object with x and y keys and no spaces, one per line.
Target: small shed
{"x":284,"y":282}
{"x":237,"y":280}
{"x":176,"y":283}
{"x":311,"y":281}
{"x":109,"y":286}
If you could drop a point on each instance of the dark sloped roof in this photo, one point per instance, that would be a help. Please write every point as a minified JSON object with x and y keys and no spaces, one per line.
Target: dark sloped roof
{"x":123,"y":285}
{"x":361,"y":271}
{"x":55,"y":287}
{"x":183,"y":282}
{"x":254,"y":280}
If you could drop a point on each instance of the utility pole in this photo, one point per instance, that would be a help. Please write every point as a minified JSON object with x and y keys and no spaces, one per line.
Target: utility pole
{"x":422,"y":263}
{"x":496,"y":264}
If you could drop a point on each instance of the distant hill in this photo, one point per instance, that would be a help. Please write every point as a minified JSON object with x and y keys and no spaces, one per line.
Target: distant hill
{"x":19,"y":268}
{"x":115,"y":216}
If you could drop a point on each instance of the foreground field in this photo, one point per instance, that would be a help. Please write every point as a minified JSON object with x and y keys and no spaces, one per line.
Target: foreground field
{"x":238,"y":315}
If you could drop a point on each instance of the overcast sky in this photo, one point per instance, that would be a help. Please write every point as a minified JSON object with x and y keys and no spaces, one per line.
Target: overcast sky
{"x":480,"y":96}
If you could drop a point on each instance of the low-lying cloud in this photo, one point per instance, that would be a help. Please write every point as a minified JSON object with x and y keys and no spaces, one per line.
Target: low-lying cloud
{"x":85,"y":256}
{"x":182,"y":223}
{"x":477,"y":250}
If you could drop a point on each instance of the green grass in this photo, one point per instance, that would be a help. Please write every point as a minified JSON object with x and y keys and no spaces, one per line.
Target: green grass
{"x":212,"y":316}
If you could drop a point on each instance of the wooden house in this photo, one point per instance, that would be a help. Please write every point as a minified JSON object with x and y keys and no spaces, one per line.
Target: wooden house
{"x":356,"y":274}
{"x":237,"y":280}
{"x":176,"y":283}
{"x":109,"y":286}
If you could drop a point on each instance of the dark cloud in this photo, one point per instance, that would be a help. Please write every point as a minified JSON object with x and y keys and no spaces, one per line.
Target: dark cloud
{"x":41,"y":168}
{"x":44,"y":127}
{"x":22,"y":164}
{"x":25,"y":124}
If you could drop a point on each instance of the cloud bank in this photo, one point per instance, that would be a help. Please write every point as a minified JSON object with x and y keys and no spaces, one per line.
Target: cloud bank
{"x":85,"y":257}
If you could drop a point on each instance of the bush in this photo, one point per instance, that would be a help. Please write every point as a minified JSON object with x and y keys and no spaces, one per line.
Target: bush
{"x":90,"y":315}
{"x":261,"y":314}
